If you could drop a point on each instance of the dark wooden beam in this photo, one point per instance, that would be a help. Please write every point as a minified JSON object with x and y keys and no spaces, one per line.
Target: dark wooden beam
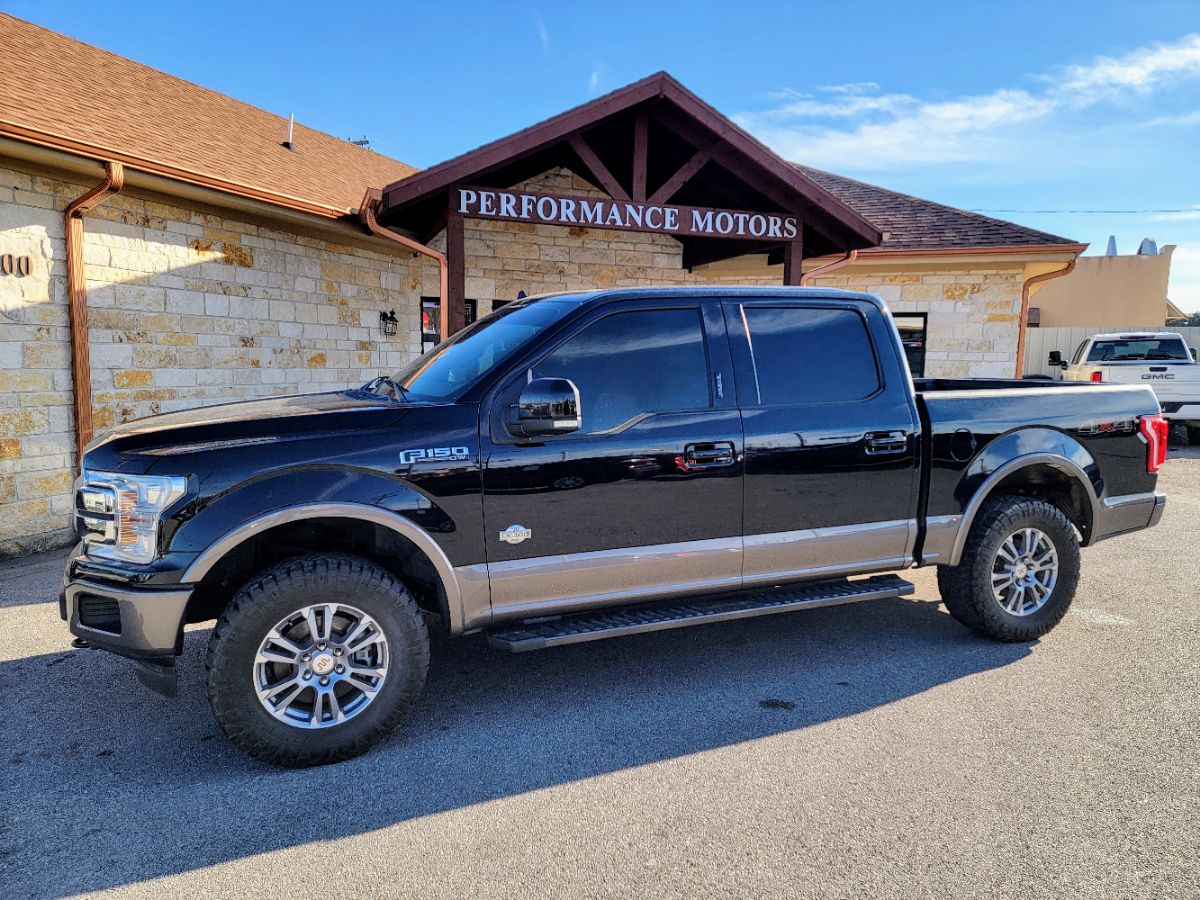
{"x":456,"y":289}
{"x":793,"y":257}
{"x":685,"y":173}
{"x":640,"y":129}
{"x":599,"y":170}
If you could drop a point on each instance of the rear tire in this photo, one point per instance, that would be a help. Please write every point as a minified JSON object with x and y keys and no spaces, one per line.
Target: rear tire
{"x":1035,"y":588}
{"x":1193,"y":433}
{"x":316,"y":660}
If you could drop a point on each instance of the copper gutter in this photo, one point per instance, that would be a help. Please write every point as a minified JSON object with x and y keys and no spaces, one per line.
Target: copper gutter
{"x":81,"y":359}
{"x":846,"y":260}
{"x":1023,"y":323}
{"x":366,"y":214}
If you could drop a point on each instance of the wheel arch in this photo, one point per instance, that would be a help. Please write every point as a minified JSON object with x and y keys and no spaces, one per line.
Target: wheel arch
{"x":1047,"y":476}
{"x":356,"y":520}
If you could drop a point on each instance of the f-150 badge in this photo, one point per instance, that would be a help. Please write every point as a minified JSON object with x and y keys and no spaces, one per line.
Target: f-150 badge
{"x":433,"y":454}
{"x":514,"y":534}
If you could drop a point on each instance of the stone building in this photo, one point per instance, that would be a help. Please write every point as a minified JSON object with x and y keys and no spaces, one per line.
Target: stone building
{"x":163,"y":246}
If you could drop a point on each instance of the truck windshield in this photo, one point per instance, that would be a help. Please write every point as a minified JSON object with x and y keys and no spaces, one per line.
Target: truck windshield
{"x":450,"y":367}
{"x":1126,"y":349}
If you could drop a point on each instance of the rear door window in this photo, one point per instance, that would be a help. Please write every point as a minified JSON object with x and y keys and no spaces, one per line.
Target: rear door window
{"x":1138,"y":349}
{"x":805,"y":355}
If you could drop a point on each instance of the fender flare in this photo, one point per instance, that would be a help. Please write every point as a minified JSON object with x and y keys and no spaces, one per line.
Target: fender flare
{"x":216,"y":551}
{"x":1053,"y":460}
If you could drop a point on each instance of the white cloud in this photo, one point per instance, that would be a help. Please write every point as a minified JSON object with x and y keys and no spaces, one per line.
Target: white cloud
{"x":1141,"y":70}
{"x":879,"y":130}
{"x":543,"y":34}
{"x":594,"y":80}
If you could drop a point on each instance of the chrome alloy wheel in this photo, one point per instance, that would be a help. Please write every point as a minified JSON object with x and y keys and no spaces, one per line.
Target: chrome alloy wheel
{"x":1024,"y":572}
{"x":321,"y":666}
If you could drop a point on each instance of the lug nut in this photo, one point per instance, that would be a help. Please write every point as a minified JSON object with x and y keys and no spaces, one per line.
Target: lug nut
{"x":306,"y":657}
{"x":320,"y":646}
{"x":340,"y":669}
{"x":307,"y":675}
{"x":337,"y":651}
{"x":324,"y":679}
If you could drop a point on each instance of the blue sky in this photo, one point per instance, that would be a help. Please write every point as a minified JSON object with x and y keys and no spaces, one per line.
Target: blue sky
{"x":1024,"y":106}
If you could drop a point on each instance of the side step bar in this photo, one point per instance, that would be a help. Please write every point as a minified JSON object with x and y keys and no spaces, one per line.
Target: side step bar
{"x":537,"y":634}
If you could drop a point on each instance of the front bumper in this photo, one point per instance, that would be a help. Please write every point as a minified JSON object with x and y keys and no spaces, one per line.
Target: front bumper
{"x":1132,"y":512}
{"x":144,"y":624}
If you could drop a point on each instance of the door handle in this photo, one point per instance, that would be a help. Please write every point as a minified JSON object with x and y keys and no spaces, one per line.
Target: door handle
{"x":880,"y":443}
{"x":708,"y":456}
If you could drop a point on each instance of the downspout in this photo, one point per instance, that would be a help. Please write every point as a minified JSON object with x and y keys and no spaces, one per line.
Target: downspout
{"x":1022,"y":325}
{"x":829,"y":267}
{"x":81,"y":359}
{"x":366,"y":214}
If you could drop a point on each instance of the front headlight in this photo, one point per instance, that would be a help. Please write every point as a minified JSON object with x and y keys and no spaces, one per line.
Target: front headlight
{"x":118,"y":515}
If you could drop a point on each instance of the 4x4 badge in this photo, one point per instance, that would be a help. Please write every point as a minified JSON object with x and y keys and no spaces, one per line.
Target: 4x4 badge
{"x":514,"y":534}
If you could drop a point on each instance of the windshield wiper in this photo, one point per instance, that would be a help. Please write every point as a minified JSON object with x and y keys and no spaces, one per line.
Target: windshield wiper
{"x":398,"y":392}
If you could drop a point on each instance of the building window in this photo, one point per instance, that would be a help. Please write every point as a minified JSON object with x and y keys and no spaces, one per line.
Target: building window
{"x":431,"y":319}
{"x":914,"y":336}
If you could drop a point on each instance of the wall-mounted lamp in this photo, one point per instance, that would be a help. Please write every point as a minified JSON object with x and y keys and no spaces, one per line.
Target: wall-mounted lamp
{"x":388,"y":323}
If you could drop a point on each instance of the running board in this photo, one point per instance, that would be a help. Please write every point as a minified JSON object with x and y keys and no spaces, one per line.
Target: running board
{"x":537,"y":634}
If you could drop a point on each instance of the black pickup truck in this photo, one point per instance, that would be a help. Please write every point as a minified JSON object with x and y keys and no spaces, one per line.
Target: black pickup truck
{"x":584,"y":466}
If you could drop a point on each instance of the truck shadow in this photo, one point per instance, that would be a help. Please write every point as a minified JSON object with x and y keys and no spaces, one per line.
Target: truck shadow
{"x":140,"y":787}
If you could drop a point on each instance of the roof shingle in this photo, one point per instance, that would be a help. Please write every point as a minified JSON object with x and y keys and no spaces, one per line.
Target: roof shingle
{"x":911,"y":223}
{"x":60,"y":87}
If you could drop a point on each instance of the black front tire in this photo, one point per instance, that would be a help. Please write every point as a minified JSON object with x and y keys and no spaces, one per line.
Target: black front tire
{"x":280,"y":591}
{"x":967,"y":588}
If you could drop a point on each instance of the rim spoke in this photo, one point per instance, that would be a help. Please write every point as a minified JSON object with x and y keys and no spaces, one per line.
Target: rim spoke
{"x":335,"y":708}
{"x":1008,"y":551}
{"x":270,"y":693}
{"x":287,"y":659}
{"x":364,"y":625}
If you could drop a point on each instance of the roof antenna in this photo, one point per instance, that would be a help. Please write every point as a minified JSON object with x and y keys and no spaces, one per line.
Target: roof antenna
{"x":363,"y":142}
{"x":291,"y":126}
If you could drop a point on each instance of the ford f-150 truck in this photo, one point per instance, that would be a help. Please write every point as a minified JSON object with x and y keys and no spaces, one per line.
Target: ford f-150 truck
{"x":585,"y":466}
{"x":1160,"y":360}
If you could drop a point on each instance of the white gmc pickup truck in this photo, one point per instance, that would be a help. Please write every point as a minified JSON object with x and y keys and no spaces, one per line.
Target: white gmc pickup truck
{"x":1160,"y":360}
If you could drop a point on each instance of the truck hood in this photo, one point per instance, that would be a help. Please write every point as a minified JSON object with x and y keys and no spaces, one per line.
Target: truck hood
{"x":245,"y":423}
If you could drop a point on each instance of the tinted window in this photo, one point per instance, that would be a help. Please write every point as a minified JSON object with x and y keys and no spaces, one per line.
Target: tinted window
{"x":478,"y":349}
{"x":1135,"y":349}
{"x":810,"y":355}
{"x":1078,"y":354}
{"x":632,"y":363}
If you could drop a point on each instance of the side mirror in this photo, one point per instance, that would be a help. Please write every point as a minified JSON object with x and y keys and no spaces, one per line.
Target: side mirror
{"x":1055,"y":358}
{"x":547,"y":406}
{"x":1193,"y":350}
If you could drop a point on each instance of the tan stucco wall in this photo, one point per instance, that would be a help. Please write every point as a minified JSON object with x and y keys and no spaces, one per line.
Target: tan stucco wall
{"x":187,"y":308}
{"x":1116,"y":291}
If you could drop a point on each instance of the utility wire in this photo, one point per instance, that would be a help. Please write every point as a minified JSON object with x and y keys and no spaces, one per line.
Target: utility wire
{"x":1194,"y":209}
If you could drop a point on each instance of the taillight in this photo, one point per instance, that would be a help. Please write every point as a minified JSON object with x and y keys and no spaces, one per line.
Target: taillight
{"x":1097,"y":377}
{"x":1156,"y":430}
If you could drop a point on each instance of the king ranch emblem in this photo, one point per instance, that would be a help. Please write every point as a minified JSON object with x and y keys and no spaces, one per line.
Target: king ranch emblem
{"x":515,"y":534}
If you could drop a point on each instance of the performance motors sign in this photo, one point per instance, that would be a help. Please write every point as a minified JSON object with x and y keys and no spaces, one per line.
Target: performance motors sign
{"x":624,"y":215}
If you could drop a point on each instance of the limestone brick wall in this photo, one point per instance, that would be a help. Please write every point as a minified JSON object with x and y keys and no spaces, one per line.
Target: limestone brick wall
{"x":187,"y":309}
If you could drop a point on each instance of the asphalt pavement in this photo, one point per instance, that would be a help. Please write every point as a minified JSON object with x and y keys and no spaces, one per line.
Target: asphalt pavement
{"x":877,"y":749}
